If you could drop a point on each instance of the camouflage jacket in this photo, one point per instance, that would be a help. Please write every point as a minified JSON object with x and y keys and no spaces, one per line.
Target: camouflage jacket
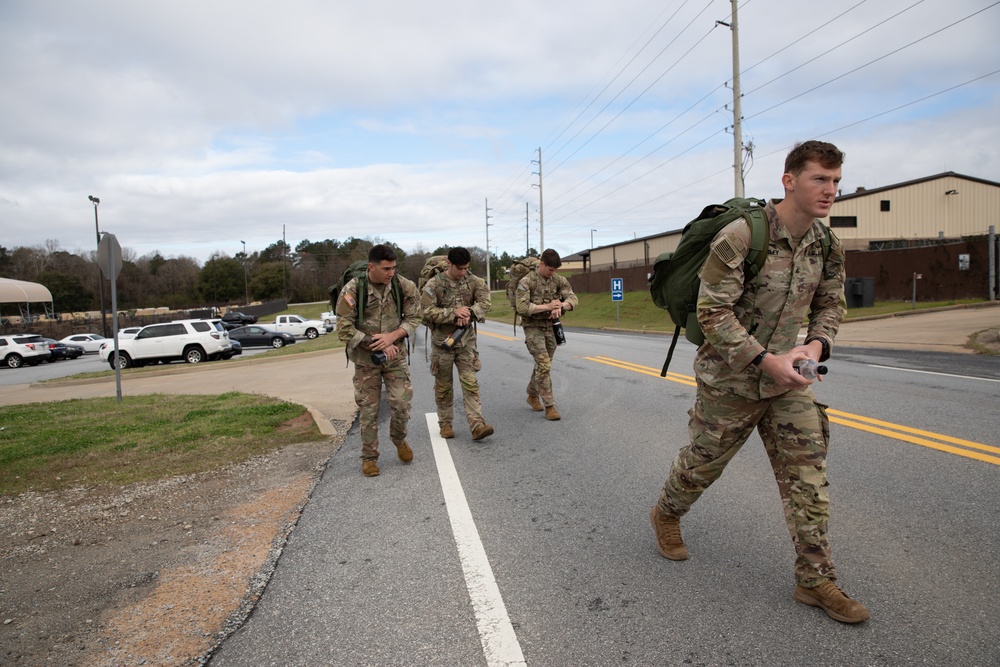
{"x":535,"y":290}
{"x":442,"y":295}
{"x":380,"y":317}
{"x":794,"y":284}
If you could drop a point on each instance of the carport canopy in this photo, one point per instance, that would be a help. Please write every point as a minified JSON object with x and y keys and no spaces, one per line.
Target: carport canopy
{"x":21,"y":291}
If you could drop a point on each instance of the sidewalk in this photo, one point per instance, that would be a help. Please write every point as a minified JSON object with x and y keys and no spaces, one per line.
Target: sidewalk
{"x":938,"y":330}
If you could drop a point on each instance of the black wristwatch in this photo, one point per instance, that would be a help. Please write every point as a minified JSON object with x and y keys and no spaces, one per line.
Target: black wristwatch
{"x":759,"y":358}
{"x":825,"y":354}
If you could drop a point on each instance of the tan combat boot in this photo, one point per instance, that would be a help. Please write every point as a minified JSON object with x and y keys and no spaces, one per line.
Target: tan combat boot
{"x":834,"y":602}
{"x":447,"y":431}
{"x":552,"y":414}
{"x":668,"y":535}
{"x":369,"y":468}
{"x":404,"y":452}
{"x":535,"y":404}
{"x":481,"y":430}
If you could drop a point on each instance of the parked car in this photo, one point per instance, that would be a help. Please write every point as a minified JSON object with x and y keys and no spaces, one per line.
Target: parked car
{"x":257,"y":336}
{"x":236,"y":351}
{"x":90,"y":342}
{"x":21,"y":349}
{"x":193,"y":341}
{"x":298,"y":326}
{"x":108,"y":346}
{"x":60,"y":350}
{"x":234,"y":319}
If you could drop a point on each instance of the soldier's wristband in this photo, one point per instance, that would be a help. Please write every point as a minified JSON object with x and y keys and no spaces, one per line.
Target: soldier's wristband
{"x":759,"y":358}
{"x":825,"y":354}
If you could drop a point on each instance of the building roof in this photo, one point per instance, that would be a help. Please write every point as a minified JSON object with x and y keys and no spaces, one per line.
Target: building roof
{"x":20,"y":291}
{"x":863,"y":192}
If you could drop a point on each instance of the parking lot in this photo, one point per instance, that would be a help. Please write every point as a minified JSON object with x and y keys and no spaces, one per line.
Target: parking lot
{"x":88,"y":363}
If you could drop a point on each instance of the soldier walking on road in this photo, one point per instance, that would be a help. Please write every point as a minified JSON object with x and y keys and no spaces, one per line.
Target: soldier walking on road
{"x":452,"y":302}
{"x":747,"y":376}
{"x":542,"y":297}
{"x":375,"y":314}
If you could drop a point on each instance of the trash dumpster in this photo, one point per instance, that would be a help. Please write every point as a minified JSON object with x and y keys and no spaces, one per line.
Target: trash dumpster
{"x":859,"y":292}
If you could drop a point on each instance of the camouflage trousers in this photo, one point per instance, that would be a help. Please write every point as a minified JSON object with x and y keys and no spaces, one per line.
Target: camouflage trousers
{"x":796,"y":434}
{"x":541,"y":343}
{"x":466,"y":360}
{"x":368,"y":394}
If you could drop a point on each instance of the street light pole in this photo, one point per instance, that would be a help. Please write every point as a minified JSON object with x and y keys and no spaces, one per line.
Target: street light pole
{"x":591,"y":253}
{"x":246,"y":288}
{"x":100,"y":273}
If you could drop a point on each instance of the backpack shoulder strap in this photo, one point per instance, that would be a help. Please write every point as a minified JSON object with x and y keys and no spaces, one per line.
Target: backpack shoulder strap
{"x":760,"y":238}
{"x":362,"y":294}
{"x":397,"y":295}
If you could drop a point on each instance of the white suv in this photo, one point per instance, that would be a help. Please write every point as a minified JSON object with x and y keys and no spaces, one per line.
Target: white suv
{"x":193,"y":341}
{"x":23,"y":349}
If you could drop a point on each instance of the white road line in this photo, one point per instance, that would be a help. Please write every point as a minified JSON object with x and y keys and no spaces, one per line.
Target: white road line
{"x":500,"y":645}
{"x":950,"y":375}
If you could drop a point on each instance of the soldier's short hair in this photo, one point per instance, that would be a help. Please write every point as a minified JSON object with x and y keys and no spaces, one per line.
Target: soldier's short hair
{"x":459,"y":256}
{"x":381,"y":253}
{"x":820,"y":152}
{"x":551,"y":258}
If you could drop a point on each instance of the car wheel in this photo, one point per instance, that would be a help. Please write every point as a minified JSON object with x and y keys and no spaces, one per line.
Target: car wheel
{"x":124,"y":361}
{"x":194,"y":355}
{"x":277,"y":342}
{"x":15,"y":361}
{"x":328,"y":322}
{"x":311,"y":333}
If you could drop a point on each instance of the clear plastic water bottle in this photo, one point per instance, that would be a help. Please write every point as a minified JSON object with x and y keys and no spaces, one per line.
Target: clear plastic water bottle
{"x":809,"y":369}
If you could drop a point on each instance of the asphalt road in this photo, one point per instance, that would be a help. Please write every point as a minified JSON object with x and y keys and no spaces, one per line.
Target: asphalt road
{"x":534,"y":547}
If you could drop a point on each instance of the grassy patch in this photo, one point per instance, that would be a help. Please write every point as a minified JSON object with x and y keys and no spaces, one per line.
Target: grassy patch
{"x":93,"y":442}
{"x":637,"y":312}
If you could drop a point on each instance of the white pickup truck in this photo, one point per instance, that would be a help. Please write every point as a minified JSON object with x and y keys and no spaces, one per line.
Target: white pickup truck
{"x":296,"y":325}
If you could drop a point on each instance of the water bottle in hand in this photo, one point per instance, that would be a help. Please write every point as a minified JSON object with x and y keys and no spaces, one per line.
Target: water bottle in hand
{"x":809,"y":369}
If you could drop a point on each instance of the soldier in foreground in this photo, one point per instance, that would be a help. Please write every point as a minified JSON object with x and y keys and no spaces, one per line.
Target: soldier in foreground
{"x":542,"y":297}
{"x":452,"y":302}
{"x":748,"y":379}
{"x":375,"y":314}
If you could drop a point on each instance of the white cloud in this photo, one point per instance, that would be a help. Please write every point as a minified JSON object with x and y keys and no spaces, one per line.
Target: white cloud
{"x":201,"y":124}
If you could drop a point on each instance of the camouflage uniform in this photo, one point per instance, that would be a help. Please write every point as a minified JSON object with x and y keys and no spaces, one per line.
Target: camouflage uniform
{"x":534,"y":289}
{"x":734,"y":396}
{"x":439,"y":299}
{"x":380,"y":317}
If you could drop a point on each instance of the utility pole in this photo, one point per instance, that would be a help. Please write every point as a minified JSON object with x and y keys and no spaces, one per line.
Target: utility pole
{"x":541,"y":207}
{"x":284,"y":263}
{"x":100,"y":272}
{"x":489,"y":285}
{"x":527,"y":231}
{"x":734,"y":27}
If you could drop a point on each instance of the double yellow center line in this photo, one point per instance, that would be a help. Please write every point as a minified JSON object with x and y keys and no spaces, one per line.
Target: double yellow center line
{"x":943,"y":443}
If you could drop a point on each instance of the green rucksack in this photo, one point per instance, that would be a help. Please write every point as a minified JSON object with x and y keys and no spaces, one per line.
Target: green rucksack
{"x":518,"y":270}
{"x":674,"y":284}
{"x":359,"y":271}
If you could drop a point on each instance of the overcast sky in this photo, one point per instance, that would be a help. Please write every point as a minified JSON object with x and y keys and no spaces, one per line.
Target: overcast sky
{"x":201,"y":124}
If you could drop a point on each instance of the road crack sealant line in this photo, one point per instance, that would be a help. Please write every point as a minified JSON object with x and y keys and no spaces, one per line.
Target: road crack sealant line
{"x":944,"y":443}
